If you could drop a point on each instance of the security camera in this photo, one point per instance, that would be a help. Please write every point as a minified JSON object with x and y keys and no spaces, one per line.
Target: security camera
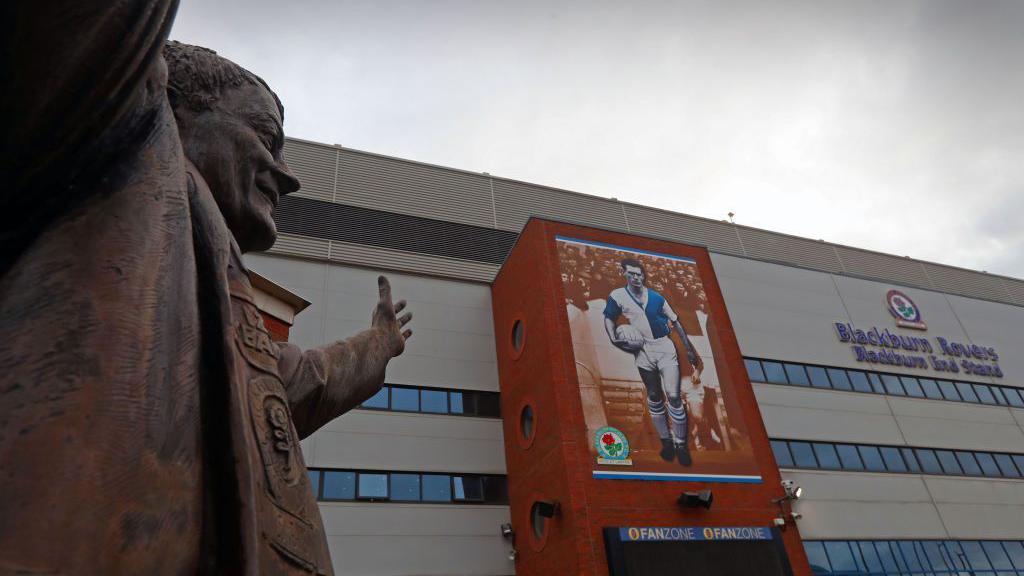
{"x":506,"y":531}
{"x":779,"y":521}
{"x":793,"y":492}
{"x":795,"y":516}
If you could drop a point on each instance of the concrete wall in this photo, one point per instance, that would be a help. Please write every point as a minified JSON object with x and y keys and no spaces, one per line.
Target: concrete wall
{"x":452,"y":347}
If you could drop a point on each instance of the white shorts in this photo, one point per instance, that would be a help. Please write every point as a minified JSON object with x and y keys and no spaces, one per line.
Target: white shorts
{"x":656,"y":355}
{"x":694,"y":394}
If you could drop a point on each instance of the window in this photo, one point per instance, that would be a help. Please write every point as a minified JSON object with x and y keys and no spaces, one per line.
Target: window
{"x":339,"y":485}
{"x":996,"y":554}
{"x":988,"y":464}
{"x":797,"y":375}
{"x":949,"y":391}
{"x":839,"y":556}
{"x":893,"y":460}
{"x":827,"y":457}
{"x":912,"y":386}
{"x":949,"y":462}
{"x":405,"y":487}
{"x":966,"y":392}
{"x":372,"y":486}
{"x":437,"y":488}
{"x":819,"y":378}
{"x":754,"y":371}
{"x":849,"y":457}
{"x":892,"y":385}
{"x":859,"y":381}
{"x":803,"y":455}
{"x":984,"y":394}
{"x":456,"y":402}
{"x":908,"y":457}
{"x":872,"y":458}
{"x":781,"y":451}
{"x":378,"y":400}
{"x":817,"y":558}
{"x":876,"y":383}
{"x":998,"y":393}
{"x":1019,"y":461}
{"x":1006,"y":466}
{"x":931,"y":388}
{"x":468,"y":488}
{"x":1014,"y":398}
{"x":929,"y":461}
{"x":839,"y":379}
{"x":968,"y":463}
{"x":774,"y":372}
{"x":405,"y":399}
{"x":314,"y":482}
{"x":435,"y":401}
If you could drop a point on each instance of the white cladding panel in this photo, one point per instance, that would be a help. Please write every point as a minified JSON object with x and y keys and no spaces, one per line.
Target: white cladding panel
{"x":403,"y":539}
{"x":998,"y":325}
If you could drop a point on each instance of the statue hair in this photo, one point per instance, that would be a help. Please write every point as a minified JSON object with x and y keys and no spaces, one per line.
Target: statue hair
{"x":197,"y":76}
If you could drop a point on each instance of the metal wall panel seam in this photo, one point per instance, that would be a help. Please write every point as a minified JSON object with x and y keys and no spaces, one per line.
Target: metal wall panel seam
{"x":842,"y":266}
{"x":624,"y":216}
{"x":494,"y":208}
{"x":334,"y":188}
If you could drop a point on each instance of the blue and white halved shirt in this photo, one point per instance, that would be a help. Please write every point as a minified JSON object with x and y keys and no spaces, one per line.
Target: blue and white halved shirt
{"x":650,"y":314}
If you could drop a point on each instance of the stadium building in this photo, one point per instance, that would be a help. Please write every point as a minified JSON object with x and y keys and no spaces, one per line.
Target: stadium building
{"x":888,"y":390}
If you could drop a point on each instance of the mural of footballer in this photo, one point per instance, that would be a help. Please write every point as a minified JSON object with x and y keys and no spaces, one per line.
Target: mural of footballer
{"x":646,"y":337}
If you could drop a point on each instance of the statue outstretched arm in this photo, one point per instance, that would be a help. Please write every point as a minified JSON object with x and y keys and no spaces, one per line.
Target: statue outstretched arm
{"x":324,"y":383}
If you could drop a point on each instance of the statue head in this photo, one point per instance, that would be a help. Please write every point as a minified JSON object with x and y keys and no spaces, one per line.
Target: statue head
{"x":231,"y":123}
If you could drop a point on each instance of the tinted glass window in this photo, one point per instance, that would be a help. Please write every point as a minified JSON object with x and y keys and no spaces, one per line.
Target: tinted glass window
{"x":488,"y":404}
{"x":968,"y":463}
{"x":839,"y":379}
{"x":803,"y":455}
{"x":931,"y":389}
{"x":1013,"y":397}
{"x":754,"y":371}
{"x":378,"y":400}
{"x":781,"y":450}
{"x":935,"y":554}
{"x":859,"y":381}
{"x":912,"y":387}
{"x":819,"y":378}
{"x":495,"y":489}
{"x":870,"y":556}
{"x":1019,"y":461}
{"x":893,"y":459}
{"x":817,"y":558}
{"x":456,"y":402}
{"x":437,"y":488}
{"x":996,"y":554}
{"x":827,"y":457}
{"x":876,"y":383}
{"x":984,"y":394}
{"x":434,"y":401}
{"x":1006,"y":466}
{"x":797,"y":375}
{"x":908,"y":457}
{"x":909,"y":554}
{"x":406,"y":399}
{"x":966,"y":392}
{"x":975,"y":554}
{"x":1016,"y":552}
{"x":886,"y":556}
{"x":840,"y":556}
{"x":872,"y":458}
{"x":468,"y":488}
{"x":774,"y":373}
{"x":998,"y":393}
{"x":929,"y":462}
{"x":892,"y":385}
{"x":949,"y":390}
{"x":373,"y":485}
{"x":988,"y":464}
{"x":949,"y":462}
{"x":339,"y":485}
{"x":314,"y":481}
{"x":405,"y":487}
{"x":849,"y":457}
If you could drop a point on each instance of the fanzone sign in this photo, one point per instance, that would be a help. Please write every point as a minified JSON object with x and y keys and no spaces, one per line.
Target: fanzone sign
{"x":693,"y":533}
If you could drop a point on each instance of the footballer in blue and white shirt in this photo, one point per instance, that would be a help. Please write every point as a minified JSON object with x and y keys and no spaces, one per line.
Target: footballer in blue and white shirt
{"x":652,"y":320}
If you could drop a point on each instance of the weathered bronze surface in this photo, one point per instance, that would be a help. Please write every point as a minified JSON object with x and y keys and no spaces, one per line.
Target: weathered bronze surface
{"x":148,"y":424}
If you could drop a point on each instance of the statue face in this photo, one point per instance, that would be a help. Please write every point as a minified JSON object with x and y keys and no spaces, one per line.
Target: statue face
{"x":238,"y":148}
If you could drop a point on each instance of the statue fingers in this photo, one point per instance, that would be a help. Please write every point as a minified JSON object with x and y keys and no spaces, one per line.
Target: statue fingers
{"x":404,"y":318}
{"x":407,"y":334}
{"x":384,"y":288}
{"x":399,"y":306}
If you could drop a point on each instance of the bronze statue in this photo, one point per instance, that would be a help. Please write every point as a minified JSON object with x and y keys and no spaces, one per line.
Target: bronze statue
{"x":148,"y":424}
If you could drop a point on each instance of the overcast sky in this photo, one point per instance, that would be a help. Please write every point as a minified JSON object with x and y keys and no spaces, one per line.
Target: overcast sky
{"x":891,"y":125}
